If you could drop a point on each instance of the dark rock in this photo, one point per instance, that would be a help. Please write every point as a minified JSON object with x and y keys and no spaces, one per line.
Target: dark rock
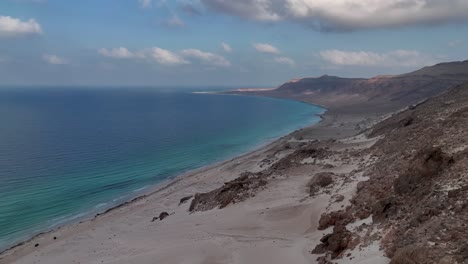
{"x":412,"y":254}
{"x":457,"y":192}
{"x":232,"y":192}
{"x":323,"y":260}
{"x":384,"y":209}
{"x":320,"y":180}
{"x":339,"y":198}
{"x":185,"y":199}
{"x":407,"y":121}
{"x":335,"y":243}
{"x":334,"y":218}
{"x":361,"y":185}
{"x":36,"y":245}
{"x":163,"y":215}
{"x":426,"y":164}
{"x":423,"y":214}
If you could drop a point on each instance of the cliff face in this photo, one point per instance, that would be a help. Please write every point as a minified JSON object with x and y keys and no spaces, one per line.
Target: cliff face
{"x":382,"y":91}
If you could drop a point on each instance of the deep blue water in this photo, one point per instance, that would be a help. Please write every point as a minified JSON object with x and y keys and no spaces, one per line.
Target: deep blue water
{"x":65,"y":152}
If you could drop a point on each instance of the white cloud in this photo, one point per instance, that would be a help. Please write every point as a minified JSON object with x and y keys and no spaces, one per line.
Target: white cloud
{"x":285,"y":60}
{"x":166,"y":57}
{"x":345,"y":15}
{"x":14,"y":27}
{"x":226,"y":47}
{"x":120,"y":53}
{"x":206,"y":57}
{"x":54,"y":59}
{"x":407,"y":58}
{"x":266,"y":48}
{"x":145,"y":3}
{"x":159,"y":55}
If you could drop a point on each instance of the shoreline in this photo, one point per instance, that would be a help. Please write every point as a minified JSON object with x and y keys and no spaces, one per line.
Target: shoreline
{"x":164,"y":197}
{"x":165,"y":184}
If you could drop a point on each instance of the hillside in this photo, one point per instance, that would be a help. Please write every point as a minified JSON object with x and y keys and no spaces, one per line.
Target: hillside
{"x":381,"y":92}
{"x":408,"y":176}
{"x":417,"y":190}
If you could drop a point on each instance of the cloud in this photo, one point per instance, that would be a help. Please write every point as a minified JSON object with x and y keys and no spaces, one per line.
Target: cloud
{"x":266,"y":48}
{"x":406,"y":58}
{"x":226,"y":47}
{"x":285,"y":60}
{"x":206,"y":57}
{"x":166,"y":57}
{"x":262,"y":10}
{"x":54,"y":59}
{"x":14,"y":27}
{"x":189,"y":8}
{"x":120,"y":53}
{"x":174,"y":22}
{"x":347,"y":15}
{"x":145,"y":3}
{"x":455,"y":43}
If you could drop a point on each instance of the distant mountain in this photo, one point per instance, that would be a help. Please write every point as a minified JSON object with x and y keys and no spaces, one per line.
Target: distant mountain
{"x":381,"y":91}
{"x":448,"y":70}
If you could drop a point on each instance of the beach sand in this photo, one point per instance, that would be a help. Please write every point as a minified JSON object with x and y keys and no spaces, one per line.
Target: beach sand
{"x":277,"y":225}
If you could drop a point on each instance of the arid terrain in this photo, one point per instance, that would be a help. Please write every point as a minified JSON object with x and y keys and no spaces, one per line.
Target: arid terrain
{"x":369,"y":185}
{"x":378,"y":94}
{"x":412,"y":187}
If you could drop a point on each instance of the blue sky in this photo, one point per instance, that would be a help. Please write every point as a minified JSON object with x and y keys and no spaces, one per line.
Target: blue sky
{"x":220,"y":42}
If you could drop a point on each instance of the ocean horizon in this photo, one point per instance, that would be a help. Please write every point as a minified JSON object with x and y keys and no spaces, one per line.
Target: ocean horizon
{"x":70,"y":153}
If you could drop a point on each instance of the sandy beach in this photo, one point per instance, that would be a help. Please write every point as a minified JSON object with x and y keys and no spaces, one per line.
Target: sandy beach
{"x":277,"y":224}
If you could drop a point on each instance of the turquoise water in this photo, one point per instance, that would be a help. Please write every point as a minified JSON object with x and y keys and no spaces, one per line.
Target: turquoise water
{"x":67,"y":152}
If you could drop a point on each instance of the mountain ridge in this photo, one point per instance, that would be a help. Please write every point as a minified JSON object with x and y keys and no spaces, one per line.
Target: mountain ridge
{"x":384,"y":91}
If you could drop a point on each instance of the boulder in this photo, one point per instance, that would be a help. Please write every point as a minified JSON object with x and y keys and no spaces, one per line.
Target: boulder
{"x":319,"y":181}
{"x":335,"y":243}
{"x":334,"y":218}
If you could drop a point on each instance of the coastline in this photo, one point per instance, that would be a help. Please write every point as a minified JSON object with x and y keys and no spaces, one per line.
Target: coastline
{"x":177,"y":185}
{"x":163,"y":185}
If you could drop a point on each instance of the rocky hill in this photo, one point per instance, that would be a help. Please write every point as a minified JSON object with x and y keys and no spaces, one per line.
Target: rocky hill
{"x":413,"y":201}
{"x":411,"y":196}
{"x":417,"y":191}
{"x":384,"y":92}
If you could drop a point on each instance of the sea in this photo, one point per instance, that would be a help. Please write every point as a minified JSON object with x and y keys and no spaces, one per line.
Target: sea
{"x":70,"y":152}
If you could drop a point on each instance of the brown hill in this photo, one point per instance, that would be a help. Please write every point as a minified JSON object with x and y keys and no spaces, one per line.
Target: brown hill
{"x":379,"y":92}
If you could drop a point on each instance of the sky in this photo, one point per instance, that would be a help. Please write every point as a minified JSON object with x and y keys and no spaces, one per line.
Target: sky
{"x":244,"y":43}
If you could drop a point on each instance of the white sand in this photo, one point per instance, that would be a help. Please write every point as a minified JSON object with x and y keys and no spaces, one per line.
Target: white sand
{"x":278,"y":225}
